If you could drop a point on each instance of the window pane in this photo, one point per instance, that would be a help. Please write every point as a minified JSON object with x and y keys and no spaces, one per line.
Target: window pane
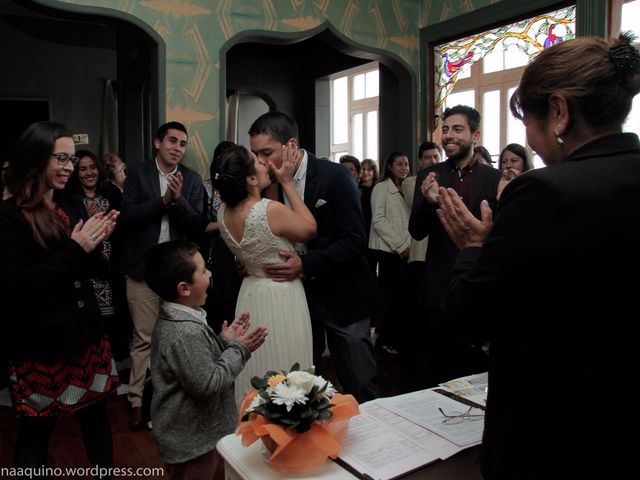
{"x":340,"y":107}
{"x":357,"y":140}
{"x":630,"y":13}
{"x":516,"y":132}
{"x":493,"y":61}
{"x":465,"y":71}
{"x":514,"y":57}
{"x":372,"y":136}
{"x":372,"y":84}
{"x":466,"y":97}
{"x":537,"y":161}
{"x":358,"y":87}
{"x":491,"y":121}
{"x":530,"y":35}
{"x":633,"y":120}
{"x":629,"y":20}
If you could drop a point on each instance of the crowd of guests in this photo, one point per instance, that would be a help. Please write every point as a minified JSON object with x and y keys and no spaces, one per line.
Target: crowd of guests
{"x":309,"y":247}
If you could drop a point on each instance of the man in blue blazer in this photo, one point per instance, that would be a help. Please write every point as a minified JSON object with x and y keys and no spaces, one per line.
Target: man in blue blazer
{"x":446,"y":356}
{"x":161,"y":201}
{"x":341,"y":291}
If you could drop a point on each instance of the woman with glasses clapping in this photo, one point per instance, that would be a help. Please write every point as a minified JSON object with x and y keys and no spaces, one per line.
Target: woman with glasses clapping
{"x":59,"y":357}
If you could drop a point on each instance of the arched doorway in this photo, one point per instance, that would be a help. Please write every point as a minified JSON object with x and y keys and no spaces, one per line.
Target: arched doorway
{"x":283,"y":70}
{"x":61,"y":56}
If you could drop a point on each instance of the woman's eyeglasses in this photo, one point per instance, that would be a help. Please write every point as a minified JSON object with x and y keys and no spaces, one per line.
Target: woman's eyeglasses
{"x":64,"y":158}
{"x":454,"y":418}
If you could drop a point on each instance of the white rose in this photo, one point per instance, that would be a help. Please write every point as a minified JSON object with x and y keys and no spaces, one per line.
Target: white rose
{"x":302,"y":380}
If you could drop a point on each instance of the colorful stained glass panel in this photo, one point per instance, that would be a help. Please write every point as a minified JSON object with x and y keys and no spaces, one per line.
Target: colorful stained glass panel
{"x":528,"y":36}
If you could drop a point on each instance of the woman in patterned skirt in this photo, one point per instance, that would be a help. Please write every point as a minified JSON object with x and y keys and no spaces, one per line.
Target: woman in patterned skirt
{"x":59,"y":357}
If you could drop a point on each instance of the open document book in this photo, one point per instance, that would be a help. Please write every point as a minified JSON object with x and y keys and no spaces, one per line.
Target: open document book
{"x":394,"y":436}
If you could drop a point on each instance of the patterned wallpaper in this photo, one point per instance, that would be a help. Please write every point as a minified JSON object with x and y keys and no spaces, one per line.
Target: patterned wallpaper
{"x":195,"y":30}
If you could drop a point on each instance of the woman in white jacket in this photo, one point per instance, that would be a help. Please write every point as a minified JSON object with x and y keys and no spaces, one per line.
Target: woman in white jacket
{"x":389,"y":237}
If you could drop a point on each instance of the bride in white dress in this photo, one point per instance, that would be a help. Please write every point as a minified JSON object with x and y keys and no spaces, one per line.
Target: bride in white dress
{"x":256,"y":230}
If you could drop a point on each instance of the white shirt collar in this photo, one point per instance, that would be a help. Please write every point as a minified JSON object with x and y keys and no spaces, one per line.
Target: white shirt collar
{"x":301,"y":173}
{"x":199,"y":313}
{"x":165,"y":174}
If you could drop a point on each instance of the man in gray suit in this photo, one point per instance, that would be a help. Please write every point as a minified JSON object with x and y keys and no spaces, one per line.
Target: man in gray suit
{"x":162,"y":201}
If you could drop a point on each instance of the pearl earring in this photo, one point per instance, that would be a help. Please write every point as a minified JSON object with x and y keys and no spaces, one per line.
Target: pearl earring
{"x":559,"y":141}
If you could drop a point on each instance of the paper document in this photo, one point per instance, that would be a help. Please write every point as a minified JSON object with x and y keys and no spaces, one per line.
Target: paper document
{"x":381,"y":445}
{"x":394,"y":436}
{"x":423,"y":408}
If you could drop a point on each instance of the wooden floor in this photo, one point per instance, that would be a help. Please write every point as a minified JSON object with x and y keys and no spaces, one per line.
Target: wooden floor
{"x":138,"y":449}
{"x":131,"y":449}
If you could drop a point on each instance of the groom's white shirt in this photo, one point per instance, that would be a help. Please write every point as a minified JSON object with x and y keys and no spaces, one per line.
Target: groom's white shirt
{"x":299,"y":182}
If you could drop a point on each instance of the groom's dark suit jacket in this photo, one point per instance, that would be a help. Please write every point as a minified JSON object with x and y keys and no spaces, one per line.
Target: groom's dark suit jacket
{"x":335,"y":269}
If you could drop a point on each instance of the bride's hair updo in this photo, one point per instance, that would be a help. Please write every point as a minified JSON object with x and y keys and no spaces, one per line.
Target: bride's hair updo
{"x":231,"y":179}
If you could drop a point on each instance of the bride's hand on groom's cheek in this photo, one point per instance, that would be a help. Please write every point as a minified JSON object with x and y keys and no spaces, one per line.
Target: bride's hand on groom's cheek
{"x":290,"y":158}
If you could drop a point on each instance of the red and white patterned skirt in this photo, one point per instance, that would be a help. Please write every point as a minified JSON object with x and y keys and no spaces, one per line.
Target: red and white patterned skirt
{"x":40,"y":389}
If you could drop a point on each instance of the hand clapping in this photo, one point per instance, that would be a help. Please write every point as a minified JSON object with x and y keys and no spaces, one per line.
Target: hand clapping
{"x":239,"y":330}
{"x":91,"y":233}
{"x":429,"y":188}
{"x":174,"y":188}
{"x":508,"y":174}
{"x":464,"y":229}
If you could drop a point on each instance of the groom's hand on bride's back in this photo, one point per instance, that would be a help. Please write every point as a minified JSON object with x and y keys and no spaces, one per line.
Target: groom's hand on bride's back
{"x":288,"y":270}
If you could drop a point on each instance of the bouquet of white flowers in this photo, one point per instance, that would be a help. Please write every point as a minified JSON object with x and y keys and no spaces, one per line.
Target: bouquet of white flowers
{"x":299,"y":417}
{"x":294,"y":400}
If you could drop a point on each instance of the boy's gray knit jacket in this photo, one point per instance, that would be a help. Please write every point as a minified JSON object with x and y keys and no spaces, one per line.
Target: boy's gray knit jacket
{"x":192,"y":370}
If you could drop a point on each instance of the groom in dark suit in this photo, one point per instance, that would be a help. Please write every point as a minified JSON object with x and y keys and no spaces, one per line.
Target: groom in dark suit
{"x":340,"y":288}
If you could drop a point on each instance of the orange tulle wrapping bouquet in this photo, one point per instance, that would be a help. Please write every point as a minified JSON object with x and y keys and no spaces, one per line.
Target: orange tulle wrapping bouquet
{"x":299,"y":417}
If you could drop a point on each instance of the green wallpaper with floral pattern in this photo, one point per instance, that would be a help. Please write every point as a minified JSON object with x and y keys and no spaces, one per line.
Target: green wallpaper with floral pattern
{"x":195,"y":30}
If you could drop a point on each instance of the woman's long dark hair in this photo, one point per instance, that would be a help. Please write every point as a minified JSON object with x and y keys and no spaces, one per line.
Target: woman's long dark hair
{"x":231,"y":178}
{"x":26,"y":180}
{"x":388,"y":164}
{"x":75,"y":186}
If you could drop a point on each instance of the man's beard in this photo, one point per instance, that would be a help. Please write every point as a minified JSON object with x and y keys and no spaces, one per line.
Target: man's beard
{"x":463,"y":152}
{"x":272,"y":176}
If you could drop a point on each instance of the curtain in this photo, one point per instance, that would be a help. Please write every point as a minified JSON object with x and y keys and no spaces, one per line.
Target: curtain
{"x":233,"y":102}
{"x":109,"y":140}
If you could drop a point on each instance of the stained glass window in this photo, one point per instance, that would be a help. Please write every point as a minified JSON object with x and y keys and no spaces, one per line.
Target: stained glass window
{"x":526,"y":38}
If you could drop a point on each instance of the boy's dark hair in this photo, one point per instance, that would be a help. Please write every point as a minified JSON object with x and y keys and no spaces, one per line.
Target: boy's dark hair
{"x":167,"y":264}
{"x":472,"y":115}
{"x":162,"y":131}
{"x":276,"y":124}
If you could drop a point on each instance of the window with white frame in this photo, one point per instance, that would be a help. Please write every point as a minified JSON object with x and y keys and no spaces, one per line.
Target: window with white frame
{"x":629,"y":22}
{"x":483,"y":70}
{"x":354,"y":113}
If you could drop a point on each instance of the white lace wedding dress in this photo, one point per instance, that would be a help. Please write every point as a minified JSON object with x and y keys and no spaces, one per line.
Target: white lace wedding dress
{"x":279,"y":306}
